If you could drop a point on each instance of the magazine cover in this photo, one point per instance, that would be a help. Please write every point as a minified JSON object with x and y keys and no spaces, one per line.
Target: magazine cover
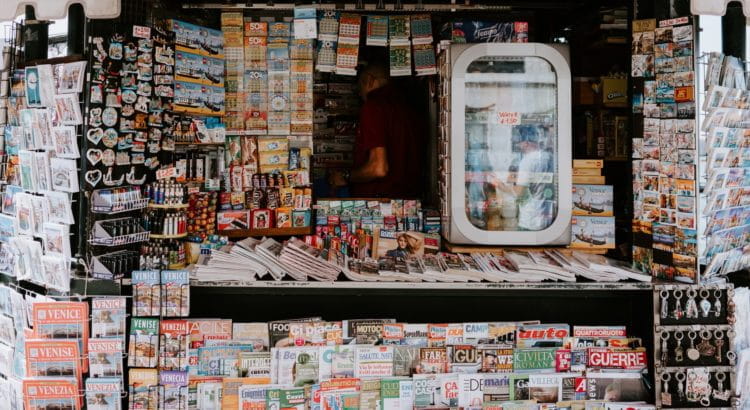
{"x":433,"y":360}
{"x":543,"y":335}
{"x":52,"y":393}
{"x":397,"y":394}
{"x":292,"y":399}
{"x":108,"y":318}
{"x":615,"y":386}
{"x":616,"y":358}
{"x":53,"y":358}
{"x":253,"y":397}
{"x":173,"y":344}
{"x":105,"y":358}
{"x":315,"y":333}
{"x":209,"y":395}
{"x":373,"y":361}
{"x":519,"y":386}
{"x":552,"y":387}
{"x":63,"y":320}
{"x":471,"y":388}
{"x":255,"y":364}
{"x":174,"y":391}
{"x":415,"y":334}
{"x":144,"y":342}
{"x":464,"y":359}
{"x":297,"y":366}
{"x":397,"y":244}
{"x":220,"y":360}
{"x":340,"y":394}
{"x":194,"y":383}
{"x":405,"y":360}
{"x":393,"y":333}
{"x":104,"y":394}
{"x":496,"y":388}
{"x":208,"y":329}
{"x":175,"y":285}
{"x":146,"y":293}
{"x":257,"y":333}
{"x":337,"y":362}
{"x":427,"y":389}
{"x":496,"y":358}
{"x":534,"y":360}
{"x":370,"y":332}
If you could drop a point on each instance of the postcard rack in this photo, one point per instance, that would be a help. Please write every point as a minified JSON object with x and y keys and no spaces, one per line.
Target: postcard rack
{"x":694,"y":352}
{"x":101,"y":237}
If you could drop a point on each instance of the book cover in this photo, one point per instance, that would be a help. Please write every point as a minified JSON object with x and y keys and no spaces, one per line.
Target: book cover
{"x":173,"y":344}
{"x":108,"y":317}
{"x":373,"y":361}
{"x":340,"y":394}
{"x":257,"y":333}
{"x":146,"y":293}
{"x":433,"y":360}
{"x":63,"y":320}
{"x":174,"y":395}
{"x":104,"y":394}
{"x":144,"y":342}
{"x":175,"y":287}
{"x":54,"y":393}
{"x":207,"y":329}
{"x":255,"y":364}
{"x":594,"y":200}
{"x":534,"y":360}
{"x":53,"y":358}
{"x":105,"y":358}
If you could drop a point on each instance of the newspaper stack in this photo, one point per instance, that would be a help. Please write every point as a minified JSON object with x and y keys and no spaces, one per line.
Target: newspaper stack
{"x":252,"y":259}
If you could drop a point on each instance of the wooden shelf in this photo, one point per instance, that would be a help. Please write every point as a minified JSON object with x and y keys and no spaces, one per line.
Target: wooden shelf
{"x":182,"y":235}
{"x":244,"y":233}
{"x":199,"y":144}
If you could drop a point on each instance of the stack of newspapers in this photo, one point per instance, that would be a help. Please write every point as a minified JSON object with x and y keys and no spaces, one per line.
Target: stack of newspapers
{"x":252,"y":260}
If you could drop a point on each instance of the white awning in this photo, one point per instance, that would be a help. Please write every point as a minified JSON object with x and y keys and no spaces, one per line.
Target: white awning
{"x":716,"y":7}
{"x":57,"y":9}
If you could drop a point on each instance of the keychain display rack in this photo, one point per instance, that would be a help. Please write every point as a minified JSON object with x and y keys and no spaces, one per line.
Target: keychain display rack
{"x":693,"y":346}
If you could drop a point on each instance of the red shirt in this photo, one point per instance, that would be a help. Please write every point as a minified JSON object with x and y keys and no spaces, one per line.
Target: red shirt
{"x":385,"y":120}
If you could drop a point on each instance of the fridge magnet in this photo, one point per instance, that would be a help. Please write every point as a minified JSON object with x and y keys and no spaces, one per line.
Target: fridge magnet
{"x":683,"y":49}
{"x":109,"y":139}
{"x":64,"y":174}
{"x":643,"y":65}
{"x":108,"y":157}
{"x":96,"y":95}
{"x":94,"y":135}
{"x":65,"y":141}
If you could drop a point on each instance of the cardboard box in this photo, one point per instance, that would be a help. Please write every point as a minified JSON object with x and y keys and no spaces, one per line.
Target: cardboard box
{"x":229,"y":220}
{"x":588,"y":179}
{"x":587,"y":171}
{"x":593,"y":232}
{"x":593,"y":200}
{"x":588,"y":163}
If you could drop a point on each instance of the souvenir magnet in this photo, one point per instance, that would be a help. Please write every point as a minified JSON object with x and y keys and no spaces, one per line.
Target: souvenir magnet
{"x":93,"y":177}
{"x":94,"y":155}
{"x":129,"y":96}
{"x":94,"y":135}
{"x":110,"y":138}
{"x":108,"y":157}
{"x":109,"y":117}
{"x":95,"y":117}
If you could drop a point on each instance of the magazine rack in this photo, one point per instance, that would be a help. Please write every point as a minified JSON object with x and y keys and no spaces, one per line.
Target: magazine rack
{"x":694,"y":336}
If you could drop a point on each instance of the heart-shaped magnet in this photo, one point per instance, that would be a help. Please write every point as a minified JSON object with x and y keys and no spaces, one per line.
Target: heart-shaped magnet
{"x":95,"y":135}
{"x":93,"y":177}
{"x":94,"y":155}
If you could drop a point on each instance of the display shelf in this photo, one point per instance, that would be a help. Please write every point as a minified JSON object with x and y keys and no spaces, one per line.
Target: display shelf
{"x":100,"y":236}
{"x":244,"y":233}
{"x":119,"y":207}
{"x":181,"y":235}
{"x":167,"y":206}
{"x":555,"y":286}
{"x":199,"y":144}
{"x":455,"y":248}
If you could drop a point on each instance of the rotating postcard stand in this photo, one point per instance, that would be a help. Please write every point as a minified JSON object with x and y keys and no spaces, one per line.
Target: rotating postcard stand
{"x":506,"y":155}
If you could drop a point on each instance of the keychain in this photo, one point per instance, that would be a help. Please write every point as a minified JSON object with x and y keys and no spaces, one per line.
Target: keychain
{"x":705,"y":304}
{"x":664,"y":304}
{"x":666,"y":398}
{"x":707,"y":390}
{"x":720,"y":393}
{"x":692,"y":353}
{"x":691,"y":392}
{"x":664,"y":350}
{"x":719,"y":335}
{"x":705,"y":348}
{"x":717,"y":303}
{"x":678,"y":352}
{"x":680,"y":385}
{"x":691,"y":307}
{"x":732,"y":356}
{"x":677,"y":313}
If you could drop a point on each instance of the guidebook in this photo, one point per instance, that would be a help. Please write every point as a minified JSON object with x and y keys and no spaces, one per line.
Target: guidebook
{"x":144,"y":342}
{"x":63,"y":320}
{"x":46,"y":358}
{"x":175,"y":288}
{"x":108,"y":317}
{"x":146,"y":293}
{"x":173,"y":344}
{"x":104,"y":394}
{"x":174,"y":394}
{"x":105,"y":358}
{"x":51,"y":393}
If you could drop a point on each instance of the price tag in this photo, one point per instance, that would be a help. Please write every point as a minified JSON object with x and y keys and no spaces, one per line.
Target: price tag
{"x":193,"y":190}
{"x":509,"y":118}
{"x":141,"y":32}
{"x":165,"y":173}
